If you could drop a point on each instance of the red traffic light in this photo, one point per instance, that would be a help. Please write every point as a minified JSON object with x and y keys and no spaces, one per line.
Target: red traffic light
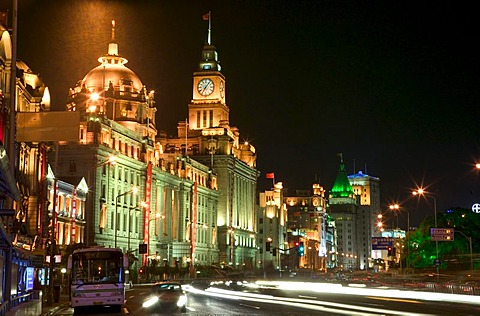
{"x":297,"y":243}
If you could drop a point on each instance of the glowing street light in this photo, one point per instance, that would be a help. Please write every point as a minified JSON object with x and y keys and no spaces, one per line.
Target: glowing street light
{"x":424,"y":193}
{"x":396,"y":208}
{"x":134,"y":190}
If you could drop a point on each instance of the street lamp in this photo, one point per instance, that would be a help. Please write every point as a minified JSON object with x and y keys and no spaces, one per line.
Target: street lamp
{"x":138,"y":207}
{"x":471,"y":253}
{"x":422,"y":192}
{"x":396,"y":207}
{"x":92,"y":174}
{"x":134,"y":190}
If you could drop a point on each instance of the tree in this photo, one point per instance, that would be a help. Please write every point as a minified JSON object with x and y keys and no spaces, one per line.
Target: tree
{"x":453,"y":254}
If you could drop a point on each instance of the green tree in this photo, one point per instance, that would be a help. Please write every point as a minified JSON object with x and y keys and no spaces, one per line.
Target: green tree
{"x":455,"y":255}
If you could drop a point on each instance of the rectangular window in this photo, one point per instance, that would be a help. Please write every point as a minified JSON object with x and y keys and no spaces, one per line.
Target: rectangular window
{"x":204,"y":119}
{"x":198,"y":119}
{"x":211,"y":118}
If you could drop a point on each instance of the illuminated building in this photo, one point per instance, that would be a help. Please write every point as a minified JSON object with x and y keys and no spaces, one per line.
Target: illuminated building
{"x":272,"y":229}
{"x":367,"y":190}
{"x":143,"y":195}
{"x":208,"y":137}
{"x":21,"y":191}
{"x":354,"y":202}
{"x":308,"y":223}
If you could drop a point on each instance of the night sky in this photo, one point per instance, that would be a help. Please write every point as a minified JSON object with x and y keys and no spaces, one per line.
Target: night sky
{"x":393,"y":86}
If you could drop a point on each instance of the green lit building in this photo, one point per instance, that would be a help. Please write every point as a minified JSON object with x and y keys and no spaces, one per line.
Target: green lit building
{"x":354,"y":202}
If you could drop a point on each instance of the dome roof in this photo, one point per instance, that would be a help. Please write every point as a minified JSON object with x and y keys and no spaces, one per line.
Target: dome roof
{"x":101,"y":76}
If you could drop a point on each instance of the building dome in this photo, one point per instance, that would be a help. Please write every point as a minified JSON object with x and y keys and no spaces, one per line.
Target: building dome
{"x":107,"y":74}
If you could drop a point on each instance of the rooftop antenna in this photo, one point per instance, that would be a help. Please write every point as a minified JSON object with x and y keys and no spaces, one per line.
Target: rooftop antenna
{"x":354,"y":170}
{"x":366,"y":172}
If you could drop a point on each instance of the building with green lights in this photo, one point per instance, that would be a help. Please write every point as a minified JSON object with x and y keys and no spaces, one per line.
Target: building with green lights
{"x":354,"y":202}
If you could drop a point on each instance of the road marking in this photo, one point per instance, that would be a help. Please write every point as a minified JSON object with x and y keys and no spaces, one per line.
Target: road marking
{"x":305,"y":296}
{"x":393,"y":299}
{"x":251,"y":306}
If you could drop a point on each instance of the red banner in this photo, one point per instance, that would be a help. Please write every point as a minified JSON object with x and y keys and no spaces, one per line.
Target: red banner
{"x":148,"y":196}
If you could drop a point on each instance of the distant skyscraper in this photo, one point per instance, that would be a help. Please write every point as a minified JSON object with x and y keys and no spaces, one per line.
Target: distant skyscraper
{"x":353,"y":204}
{"x":367,"y":189}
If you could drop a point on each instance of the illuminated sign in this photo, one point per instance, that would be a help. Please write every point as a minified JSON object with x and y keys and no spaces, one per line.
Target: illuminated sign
{"x":442,"y":234}
{"x":476,"y":208}
{"x":29,"y":278}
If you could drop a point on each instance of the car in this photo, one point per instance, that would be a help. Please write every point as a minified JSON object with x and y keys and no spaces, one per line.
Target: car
{"x":166,"y":297}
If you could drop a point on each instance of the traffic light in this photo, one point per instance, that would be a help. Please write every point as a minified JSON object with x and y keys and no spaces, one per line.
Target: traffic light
{"x":389,"y":251}
{"x":267,"y":246}
{"x":301,"y":249}
{"x":274,"y":252}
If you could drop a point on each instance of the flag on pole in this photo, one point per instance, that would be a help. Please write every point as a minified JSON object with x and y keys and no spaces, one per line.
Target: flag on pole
{"x":270,"y":175}
{"x":206,"y":16}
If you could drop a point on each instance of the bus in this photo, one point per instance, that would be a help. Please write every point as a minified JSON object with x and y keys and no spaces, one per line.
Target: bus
{"x":97,"y":277}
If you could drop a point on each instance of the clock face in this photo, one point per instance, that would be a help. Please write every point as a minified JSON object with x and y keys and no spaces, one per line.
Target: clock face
{"x":205,"y":86}
{"x":222,"y":89}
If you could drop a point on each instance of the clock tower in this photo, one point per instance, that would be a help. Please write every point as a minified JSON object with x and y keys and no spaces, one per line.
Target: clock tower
{"x":208,"y":108}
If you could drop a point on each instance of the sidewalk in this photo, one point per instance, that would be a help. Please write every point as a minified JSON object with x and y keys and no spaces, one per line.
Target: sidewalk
{"x":36,"y":308}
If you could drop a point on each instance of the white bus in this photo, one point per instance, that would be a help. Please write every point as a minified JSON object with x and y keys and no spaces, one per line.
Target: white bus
{"x":97,"y":277}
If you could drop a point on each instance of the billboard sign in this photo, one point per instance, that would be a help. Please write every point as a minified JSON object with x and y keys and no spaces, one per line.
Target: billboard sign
{"x":442,"y":234}
{"x":381,"y":243}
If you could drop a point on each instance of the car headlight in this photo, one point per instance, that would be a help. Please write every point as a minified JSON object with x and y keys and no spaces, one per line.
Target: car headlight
{"x":152,"y":300}
{"x":182,"y":300}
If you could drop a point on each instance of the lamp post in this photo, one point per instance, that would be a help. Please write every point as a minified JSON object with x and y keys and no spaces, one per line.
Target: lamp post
{"x":128,"y":225}
{"x":471,"y":248}
{"x":396,"y":207}
{"x":92,"y":176}
{"x":422,"y":192}
{"x":132,"y":191}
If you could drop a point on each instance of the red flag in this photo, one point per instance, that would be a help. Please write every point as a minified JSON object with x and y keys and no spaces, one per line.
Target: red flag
{"x":270,"y":175}
{"x":206,"y":16}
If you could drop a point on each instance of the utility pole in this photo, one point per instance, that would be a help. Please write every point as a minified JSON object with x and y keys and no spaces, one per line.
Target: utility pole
{"x":471,"y":249}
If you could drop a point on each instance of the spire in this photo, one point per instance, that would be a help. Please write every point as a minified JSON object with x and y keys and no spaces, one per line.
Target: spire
{"x":113,"y":47}
{"x":209,"y":60}
{"x":113,"y":31}
{"x":341,"y":186}
{"x":112,"y":56}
